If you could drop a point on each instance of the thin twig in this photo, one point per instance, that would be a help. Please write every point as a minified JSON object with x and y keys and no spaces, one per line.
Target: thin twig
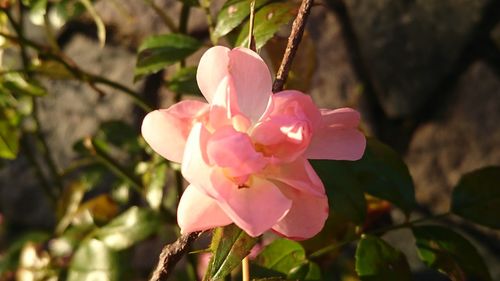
{"x":169,"y":22}
{"x":96,"y":150}
{"x":251,"y":38}
{"x":205,"y":5}
{"x":293,"y":44}
{"x":171,"y":254}
{"x":79,"y":73}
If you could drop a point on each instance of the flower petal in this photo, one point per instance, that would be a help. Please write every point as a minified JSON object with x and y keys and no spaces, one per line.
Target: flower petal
{"x":298,"y":174}
{"x":234,"y":151}
{"x":166,"y":130}
{"x":255,"y":208}
{"x":297,"y":104}
{"x":251,"y":82}
{"x":195,"y":167}
{"x":306,"y":217}
{"x":282,"y":138}
{"x":197,"y":211}
{"x":213,"y":67}
{"x":345,"y":116}
{"x":337,"y":143}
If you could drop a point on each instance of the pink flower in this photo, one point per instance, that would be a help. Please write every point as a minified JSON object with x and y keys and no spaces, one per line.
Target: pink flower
{"x":245,"y":152}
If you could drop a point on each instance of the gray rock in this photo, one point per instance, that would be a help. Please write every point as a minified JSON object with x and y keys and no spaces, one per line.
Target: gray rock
{"x":334,"y":83}
{"x":410,"y":46}
{"x":464,"y":138}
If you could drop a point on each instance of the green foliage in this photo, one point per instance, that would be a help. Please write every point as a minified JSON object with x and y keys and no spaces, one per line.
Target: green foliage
{"x":95,"y":261}
{"x":380,"y":172}
{"x":377,"y":260}
{"x":285,"y":258}
{"x":158,"y":52}
{"x":127,"y":229}
{"x":232,"y":14}
{"x":344,"y":190}
{"x":268,"y":21}
{"x":477,"y":197}
{"x":229,"y":246}
{"x":184,"y":82}
{"x":447,"y":251}
{"x":9,"y":140}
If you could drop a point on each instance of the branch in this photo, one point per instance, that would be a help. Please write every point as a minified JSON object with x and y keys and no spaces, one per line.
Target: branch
{"x":293,"y":44}
{"x":171,"y":254}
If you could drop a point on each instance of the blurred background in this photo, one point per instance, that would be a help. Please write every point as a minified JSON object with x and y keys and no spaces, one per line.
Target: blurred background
{"x":425,"y":75}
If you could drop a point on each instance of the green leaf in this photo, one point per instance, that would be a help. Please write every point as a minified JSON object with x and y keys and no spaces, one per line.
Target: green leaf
{"x":285,"y":258}
{"x":447,"y":251}
{"x":120,"y":134}
{"x":37,"y":10}
{"x":345,"y":195}
{"x":382,"y":173}
{"x":132,"y":226}
{"x":68,"y":204}
{"x":95,"y":261}
{"x":377,"y":260}
{"x":16,"y":83}
{"x":232,"y":14}
{"x":64,"y":10}
{"x":282,"y":255}
{"x":184,"y":82}
{"x":156,"y":180}
{"x":477,"y":197}
{"x":229,"y":246}
{"x":9,"y":140}
{"x":268,"y":21}
{"x":53,"y":69}
{"x":157,"y":52}
{"x":309,"y":271}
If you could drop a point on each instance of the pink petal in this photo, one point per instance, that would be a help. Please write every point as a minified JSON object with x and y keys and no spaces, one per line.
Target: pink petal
{"x":306,"y":217}
{"x":299,"y":175}
{"x":282,"y":138}
{"x":255,"y":208}
{"x":212,"y":69}
{"x":251,"y":82}
{"x":234,"y":151}
{"x":337,"y":143}
{"x":297,"y":104}
{"x":347,"y":117}
{"x":195,"y":167}
{"x":166,"y":130}
{"x":198,"y":211}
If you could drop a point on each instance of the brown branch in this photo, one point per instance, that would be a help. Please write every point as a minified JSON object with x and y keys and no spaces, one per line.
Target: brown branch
{"x":293,"y":44}
{"x":171,"y":254}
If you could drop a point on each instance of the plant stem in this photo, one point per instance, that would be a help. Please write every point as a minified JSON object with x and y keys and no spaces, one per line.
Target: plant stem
{"x":164,"y":16}
{"x":251,"y":39}
{"x":205,"y":5}
{"x":245,"y":269}
{"x":171,"y":254}
{"x":49,"y":31}
{"x":47,"y":188}
{"x":95,"y":149}
{"x":78,"y":73}
{"x":184,"y":18}
{"x":18,"y":28}
{"x":293,"y":44}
